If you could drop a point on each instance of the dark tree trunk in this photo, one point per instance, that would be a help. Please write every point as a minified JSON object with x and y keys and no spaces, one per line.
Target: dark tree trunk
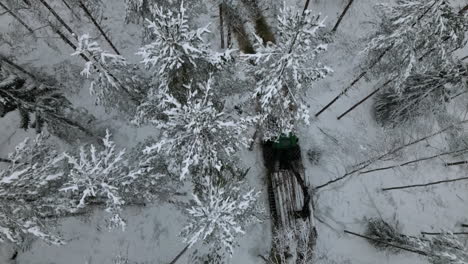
{"x":18,"y":67}
{"x":367,"y":163}
{"x":262,"y":29}
{"x":88,"y":13}
{"x":343,"y":92}
{"x":439,"y":234}
{"x":306,"y":6}
{"x":463,"y":10}
{"x":416,"y":161}
{"x":71,"y":10}
{"x":182,"y":252}
{"x":342,"y":15}
{"x":387,"y":243}
{"x":363,"y":100}
{"x":424,"y":184}
{"x":57,"y":16}
{"x":17,"y":18}
{"x":456,"y":163}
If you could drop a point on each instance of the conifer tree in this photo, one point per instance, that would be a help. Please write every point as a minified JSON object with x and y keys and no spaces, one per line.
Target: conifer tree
{"x":285,"y":69}
{"x":26,"y":184}
{"x":37,"y":103}
{"x":219,"y":214}
{"x":415,"y":36}
{"x":197,"y":135}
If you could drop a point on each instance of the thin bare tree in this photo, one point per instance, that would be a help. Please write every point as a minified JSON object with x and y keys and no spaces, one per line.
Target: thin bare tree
{"x":424,"y":184}
{"x":88,"y":13}
{"x":368,"y":162}
{"x":16,"y":17}
{"x":342,"y":15}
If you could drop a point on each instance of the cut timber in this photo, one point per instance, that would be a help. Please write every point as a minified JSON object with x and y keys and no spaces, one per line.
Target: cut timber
{"x":289,"y":199}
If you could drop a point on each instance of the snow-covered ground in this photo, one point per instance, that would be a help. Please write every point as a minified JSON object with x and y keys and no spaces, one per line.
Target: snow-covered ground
{"x":152,"y":233}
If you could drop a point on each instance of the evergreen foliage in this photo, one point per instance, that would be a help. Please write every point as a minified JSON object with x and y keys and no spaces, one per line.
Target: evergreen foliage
{"x":285,"y":69}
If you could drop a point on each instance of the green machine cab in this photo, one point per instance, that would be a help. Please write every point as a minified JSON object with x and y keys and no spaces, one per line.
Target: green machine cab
{"x":286,"y":142}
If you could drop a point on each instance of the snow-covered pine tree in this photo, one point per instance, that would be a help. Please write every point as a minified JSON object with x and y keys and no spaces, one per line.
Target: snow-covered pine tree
{"x":114,"y":81}
{"x":45,"y":103}
{"x":101,"y":176}
{"x":196,"y":135}
{"x":414,"y":35}
{"x":177,"y":56}
{"x":219,"y":214}
{"x":285,"y":69}
{"x":421,"y":94}
{"x":27,"y":192}
{"x":441,"y":249}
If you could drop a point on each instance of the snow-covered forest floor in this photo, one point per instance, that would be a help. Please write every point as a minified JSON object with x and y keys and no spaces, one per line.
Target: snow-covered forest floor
{"x":152,"y":232}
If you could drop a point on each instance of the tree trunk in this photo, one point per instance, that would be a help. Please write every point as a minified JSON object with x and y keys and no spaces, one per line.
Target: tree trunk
{"x":5,"y":160}
{"x":456,"y":163}
{"x":415,"y":161}
{"x":57,"y":16}
{"x":342,"y":15}
{"x":221,"y":25}
{"x":439,"y":234}
{"x":367,"y":163}
{"x":182,"y":252}
{"x":69,"y":43}
{"x":463,"y":10}
{"x":262,"y":29}
{"x":387,"y":243}
{"x":101,"y":66}
{"x":363,"y":100}
{"x":343,"y":92}
{"x":229,"y":36}
{"x":424,"y":184}
{"x":71,"y":10}
{"x":306,"y":6}
{"x":88,"y":13}
{"x":16,"y":66}
{"x":16,"y":17}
